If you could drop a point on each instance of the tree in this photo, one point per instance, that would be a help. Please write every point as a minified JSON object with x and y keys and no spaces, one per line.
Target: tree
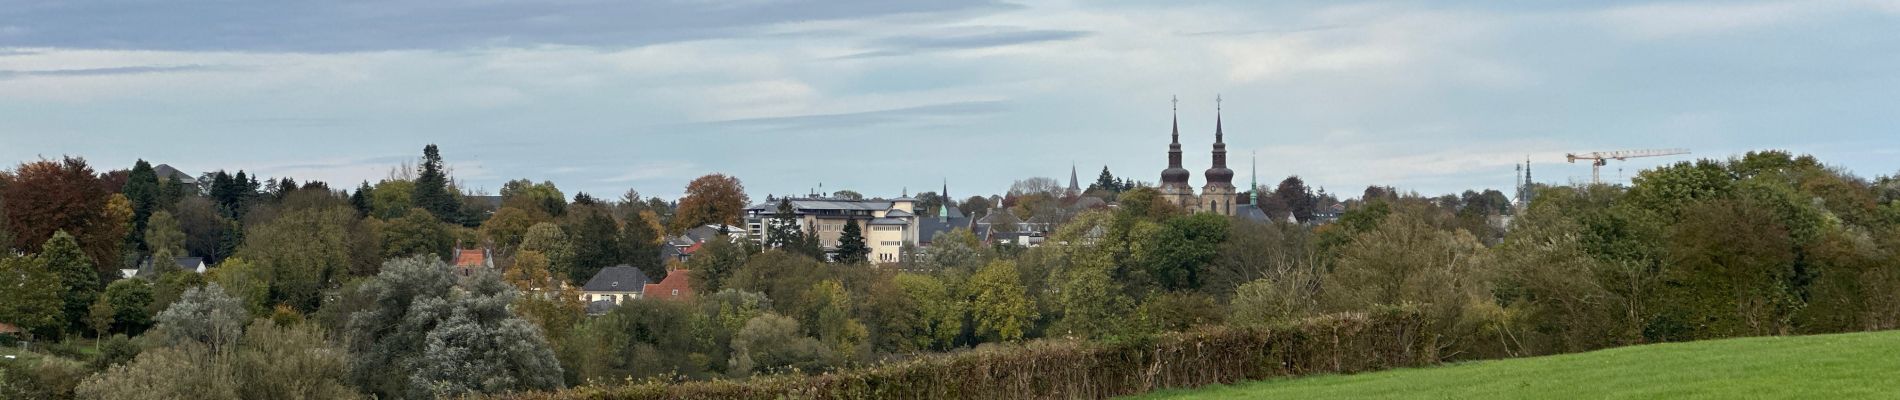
{"x":305,"y":252}
{"x":422,"y":337}
{"x":272,"y":362}
{"x":417,"y":233}
{"x":77,"y":279}
{"x":714,"y":264}
{"x":1092,"y":303}
{"x":204,"y":316}
{"x":640,"y":246}
{"x":207,"y":233}
{"x":851,"y":247}
{"x":711,"y":199}
{"x":1298,"y":199}
{"x":1183,"y":247}
{"x":550,"y":240}
{"x":847,"y":195}
{"x":163,"y":238}
{"x":433,"y":191}
{"x":391,"y":199}
{"x":929,"y":203}
{"x":829,"y":319}
{"x":44,"y":197}
{"x":771,"y":343}
{"x":508,"y":227}
{"x":939,"y":317}
{"x":245,"y":281}
{"x":642,"y":338}
{"x":542,"y":198}
{"x":596,"y":240}
{"x":999,"y":304}
{"x":290,"y":362}
{"x":31,"y":296}
{"x":781,"y":231}
{"x":124,"y":308}
{"x":975,"y":207}
{"x":360,"y":200}
{"x":141,"y":188}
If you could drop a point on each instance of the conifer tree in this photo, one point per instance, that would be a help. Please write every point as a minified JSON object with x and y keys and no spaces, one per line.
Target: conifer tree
{"x":360,"y":200}
{"x":141,"y":187}
{"x":851,"y":247}
{"x":640,"y":246}
{"x":432,"y":187}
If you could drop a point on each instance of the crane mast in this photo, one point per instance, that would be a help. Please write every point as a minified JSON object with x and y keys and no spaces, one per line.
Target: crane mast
{"x":1598,"y":159}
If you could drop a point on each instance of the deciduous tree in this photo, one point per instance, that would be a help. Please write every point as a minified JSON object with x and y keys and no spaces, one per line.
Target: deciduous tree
{"x":711,"y":199}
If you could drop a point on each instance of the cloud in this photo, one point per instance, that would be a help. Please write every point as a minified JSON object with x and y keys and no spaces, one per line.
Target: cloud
{"x":1666,"y":20}
{"x":356,"y":25}
{"x":109,"y":71}
{"x":964,"y":39}
{"x":920,"y":115}
{"x":654,"y":170}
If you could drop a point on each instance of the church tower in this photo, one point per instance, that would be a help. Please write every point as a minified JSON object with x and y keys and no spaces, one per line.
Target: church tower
{"x":1174,"y":180}
{"x":1218,"y":195}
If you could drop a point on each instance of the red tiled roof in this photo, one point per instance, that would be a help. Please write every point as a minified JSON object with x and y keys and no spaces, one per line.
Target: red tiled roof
{"x":692,"y":249}
{"x":677,"y":285}
{"x":471,"y":258}
{"x":9,"y":328}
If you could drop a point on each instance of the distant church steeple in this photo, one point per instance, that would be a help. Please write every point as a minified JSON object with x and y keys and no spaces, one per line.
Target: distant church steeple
{"x":1075,"y":187}
{"x":1219,"y":174}
{"x":1175,"y":177}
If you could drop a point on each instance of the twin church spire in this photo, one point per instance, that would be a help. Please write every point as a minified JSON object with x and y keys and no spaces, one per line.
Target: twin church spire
{"x":1218,"y":195}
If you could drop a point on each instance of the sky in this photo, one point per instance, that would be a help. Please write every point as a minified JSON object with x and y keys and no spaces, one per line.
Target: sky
{"x":884,"y":97}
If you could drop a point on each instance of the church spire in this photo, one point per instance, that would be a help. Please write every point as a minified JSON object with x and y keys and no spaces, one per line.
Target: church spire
{"x":1219,"y":175}
{"x":943,"y":202}
{"x":1175,"y":178}
{"x":1253,"y":183}
{"x":1074,"y":185}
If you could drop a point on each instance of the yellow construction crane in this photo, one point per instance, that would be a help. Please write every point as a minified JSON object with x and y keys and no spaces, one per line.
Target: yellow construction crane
{"x":1602,"y":158}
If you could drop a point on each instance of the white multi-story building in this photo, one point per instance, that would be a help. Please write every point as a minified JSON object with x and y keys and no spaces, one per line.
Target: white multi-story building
{"x":888,"y":225}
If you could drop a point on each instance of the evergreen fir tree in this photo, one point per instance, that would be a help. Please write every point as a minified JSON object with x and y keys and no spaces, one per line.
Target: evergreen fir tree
{"x":141,"y":187}
{"x":782,"y":231}
{"x":640,"y":246}
{"x":851,"y":247}
{"x":1106,"y":182}
{"x":432,"y":187}
{"x":360,"y":200}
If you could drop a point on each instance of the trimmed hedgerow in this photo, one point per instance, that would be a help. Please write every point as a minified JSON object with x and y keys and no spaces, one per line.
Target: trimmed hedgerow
{"x":1070,"y":369}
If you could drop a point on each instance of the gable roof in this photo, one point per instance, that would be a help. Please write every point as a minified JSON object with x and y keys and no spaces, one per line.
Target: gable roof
{"x":166,"y":172}
{"x":471,"y":257}
{"x":676,"y":280}
{"x":619,"y":278}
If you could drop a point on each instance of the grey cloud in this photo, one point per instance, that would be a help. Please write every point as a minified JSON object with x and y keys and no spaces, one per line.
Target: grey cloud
{"x":864,"y":119}
{"x":126,"y":70}
{"x":371,"y":25}
{"x":990,"y":37}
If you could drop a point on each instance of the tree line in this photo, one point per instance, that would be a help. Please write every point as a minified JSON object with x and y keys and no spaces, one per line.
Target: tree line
{"x":1765,"y":243}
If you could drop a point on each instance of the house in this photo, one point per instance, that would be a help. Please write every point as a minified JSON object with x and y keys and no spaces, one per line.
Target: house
{"x":470,"y":261}
{"x":617,"y":284}
{"x":676,"y":286}
{"x":8,"y":329}
{"x":680,"y":248}
{"x":192,"y":264}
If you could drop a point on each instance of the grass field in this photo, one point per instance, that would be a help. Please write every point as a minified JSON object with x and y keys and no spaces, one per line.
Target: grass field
{"x":1848,"y":366}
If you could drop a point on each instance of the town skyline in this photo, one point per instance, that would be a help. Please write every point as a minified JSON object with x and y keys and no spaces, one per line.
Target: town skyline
{"x":1433,"y":97}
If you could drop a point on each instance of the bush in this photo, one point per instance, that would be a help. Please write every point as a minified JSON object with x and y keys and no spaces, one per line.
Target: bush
{"x":45,"y":378}
{"x":1065,"y":369}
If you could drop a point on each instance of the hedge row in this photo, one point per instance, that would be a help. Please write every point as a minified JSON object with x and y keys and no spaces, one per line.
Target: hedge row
{"x":1068,"y":369}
